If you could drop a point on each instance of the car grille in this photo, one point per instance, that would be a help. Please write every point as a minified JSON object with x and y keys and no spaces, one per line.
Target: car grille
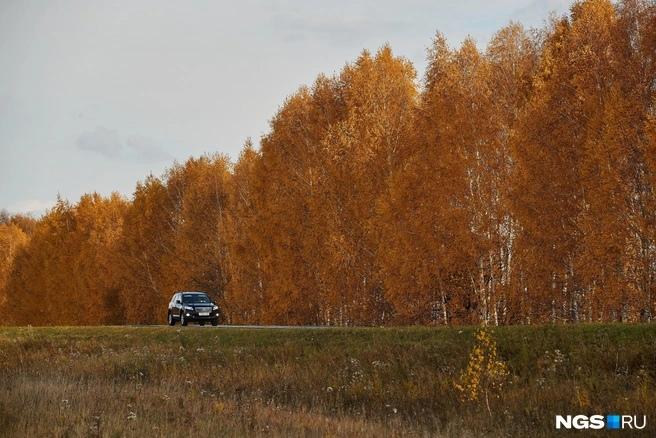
{"x":203,"y":309}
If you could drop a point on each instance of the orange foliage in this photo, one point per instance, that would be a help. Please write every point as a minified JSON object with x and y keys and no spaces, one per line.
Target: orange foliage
{"x":514,"y":185}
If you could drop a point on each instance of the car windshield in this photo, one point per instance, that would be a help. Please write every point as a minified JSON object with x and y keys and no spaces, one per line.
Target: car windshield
{"x":195,"y":298}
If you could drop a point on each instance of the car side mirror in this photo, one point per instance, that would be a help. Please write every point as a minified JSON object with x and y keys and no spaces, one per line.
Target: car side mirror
{"x":178,"y":302}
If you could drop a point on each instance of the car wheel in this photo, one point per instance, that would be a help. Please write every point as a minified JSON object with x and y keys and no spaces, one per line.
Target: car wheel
{"x":183,"y":320}
{"x":215,"y":322}
{"x":201,"y":324}
{"x":171,"y":320}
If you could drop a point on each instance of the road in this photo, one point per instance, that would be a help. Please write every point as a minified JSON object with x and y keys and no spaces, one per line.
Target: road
{"x":223,"y":326}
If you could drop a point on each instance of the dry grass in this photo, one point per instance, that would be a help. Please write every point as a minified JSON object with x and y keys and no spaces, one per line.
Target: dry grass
{"x":122,"y":381}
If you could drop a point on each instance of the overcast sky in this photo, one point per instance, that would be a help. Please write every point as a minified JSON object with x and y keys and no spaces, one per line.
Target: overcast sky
{"x":95,"y":95}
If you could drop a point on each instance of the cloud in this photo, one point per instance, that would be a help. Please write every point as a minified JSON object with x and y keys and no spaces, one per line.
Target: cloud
{"x":146,"y":149}
{"x":108,"y":143}
{"x":31,"y":206}
{"x":104,"y":141}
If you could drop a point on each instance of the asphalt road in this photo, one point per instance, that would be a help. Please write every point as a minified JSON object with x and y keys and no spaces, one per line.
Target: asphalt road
{"x":255,"y":327}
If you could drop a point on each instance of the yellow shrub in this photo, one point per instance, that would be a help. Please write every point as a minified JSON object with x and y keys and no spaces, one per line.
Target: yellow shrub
{"x":485,"y":372}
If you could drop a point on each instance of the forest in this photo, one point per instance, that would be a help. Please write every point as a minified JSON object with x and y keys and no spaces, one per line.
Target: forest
{"x":511,"y":185}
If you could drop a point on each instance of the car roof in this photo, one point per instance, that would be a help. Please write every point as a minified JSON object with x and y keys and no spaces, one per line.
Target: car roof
{"x":196,"y":293}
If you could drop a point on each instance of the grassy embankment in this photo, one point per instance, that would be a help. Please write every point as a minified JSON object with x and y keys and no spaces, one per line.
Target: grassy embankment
{"x":120,"y":381}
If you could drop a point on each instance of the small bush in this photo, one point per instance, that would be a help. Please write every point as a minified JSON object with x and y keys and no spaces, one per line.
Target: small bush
{"x":485,"y":374}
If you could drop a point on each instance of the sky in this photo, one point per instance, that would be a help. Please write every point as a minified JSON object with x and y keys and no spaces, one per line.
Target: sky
{"x":94,"y":96}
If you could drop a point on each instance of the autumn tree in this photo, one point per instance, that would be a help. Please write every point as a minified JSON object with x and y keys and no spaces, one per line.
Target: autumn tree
{"x":171,"y":239}
{"x":635,"y":48}
{"x":245,"y":292}
{"x":546,"y":186}
{"x":147,"y":236}
{"x":66,"y":273}
{"x":363,"y":152}
{"x":578,"y":174}
{"x":285,"y":235}
{"x":513,"y":58}
{"x":12,"y":240}
{"x":448,"y":217}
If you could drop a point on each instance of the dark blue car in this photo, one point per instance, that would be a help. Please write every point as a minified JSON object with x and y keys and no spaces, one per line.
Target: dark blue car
{"x":189,"y":307}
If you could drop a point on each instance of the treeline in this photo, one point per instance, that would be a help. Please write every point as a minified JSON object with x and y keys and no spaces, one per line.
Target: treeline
{"x":515,"y":185}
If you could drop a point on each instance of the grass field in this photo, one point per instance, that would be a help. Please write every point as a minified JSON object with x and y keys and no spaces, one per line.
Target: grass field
{"x":162,"y":381}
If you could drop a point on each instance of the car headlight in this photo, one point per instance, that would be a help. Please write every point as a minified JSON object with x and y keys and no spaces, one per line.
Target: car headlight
{"x":215,"y":307}
{"x":188,"y":308}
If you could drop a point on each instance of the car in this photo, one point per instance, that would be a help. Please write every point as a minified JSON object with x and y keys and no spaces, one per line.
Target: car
{"x":189,"y":307}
